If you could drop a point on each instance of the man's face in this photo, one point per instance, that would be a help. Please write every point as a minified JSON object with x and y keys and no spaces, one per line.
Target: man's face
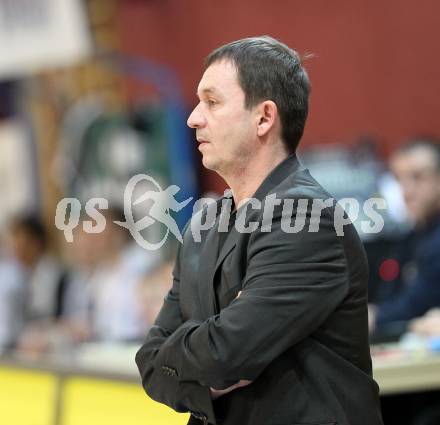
{"x":225,"y":130}
{"x":419,"y":178}
{"x":25,"y":247}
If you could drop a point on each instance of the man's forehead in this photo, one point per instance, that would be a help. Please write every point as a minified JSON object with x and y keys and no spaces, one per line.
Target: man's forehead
{"x":416,"y":159}
{"x":217,"y":78}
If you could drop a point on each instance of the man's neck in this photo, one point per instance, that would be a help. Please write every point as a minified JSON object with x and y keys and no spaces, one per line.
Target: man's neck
{"x":429,"y":220}
{"x":245,"y":181}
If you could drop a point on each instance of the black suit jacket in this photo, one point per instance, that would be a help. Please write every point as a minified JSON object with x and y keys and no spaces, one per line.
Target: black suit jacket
{"x":298,"y":330}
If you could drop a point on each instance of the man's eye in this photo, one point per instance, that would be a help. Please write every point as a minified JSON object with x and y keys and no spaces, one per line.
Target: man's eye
{"x":211,"y":102}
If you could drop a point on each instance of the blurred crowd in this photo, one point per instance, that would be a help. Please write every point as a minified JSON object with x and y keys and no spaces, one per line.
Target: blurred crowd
{"x":102,"y":287}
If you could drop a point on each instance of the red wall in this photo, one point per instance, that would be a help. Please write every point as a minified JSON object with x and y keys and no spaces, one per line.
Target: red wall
{"x":376,"y":68}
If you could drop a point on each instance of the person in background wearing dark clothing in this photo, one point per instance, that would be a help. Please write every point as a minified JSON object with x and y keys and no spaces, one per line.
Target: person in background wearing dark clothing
{"x":416,"y":166}
{"x":37,"y":278}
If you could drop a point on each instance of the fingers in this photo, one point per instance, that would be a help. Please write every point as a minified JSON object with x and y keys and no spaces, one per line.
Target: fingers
{"x":217,"y":393}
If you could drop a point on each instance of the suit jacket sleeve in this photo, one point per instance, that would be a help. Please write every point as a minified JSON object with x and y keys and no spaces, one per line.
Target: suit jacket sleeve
{"x":161,"y":383}
{"x":294,"y":281}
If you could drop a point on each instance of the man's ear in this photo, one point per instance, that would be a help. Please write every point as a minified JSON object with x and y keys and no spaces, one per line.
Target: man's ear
{"x":267,"y":115}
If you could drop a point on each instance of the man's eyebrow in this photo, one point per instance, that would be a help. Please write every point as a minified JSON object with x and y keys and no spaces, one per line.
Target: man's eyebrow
{"x":208,"y":90}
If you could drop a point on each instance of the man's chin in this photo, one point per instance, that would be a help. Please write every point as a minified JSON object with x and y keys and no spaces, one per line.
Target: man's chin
{"x":209,"y":163}
{"x":424,"y":217}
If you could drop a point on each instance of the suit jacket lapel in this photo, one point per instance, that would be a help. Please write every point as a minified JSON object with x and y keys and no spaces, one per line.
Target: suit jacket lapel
{"x":207,"y":261}
{"x":229,"y":244}
{"x":227,"y":217}
{"x":278,"y":174}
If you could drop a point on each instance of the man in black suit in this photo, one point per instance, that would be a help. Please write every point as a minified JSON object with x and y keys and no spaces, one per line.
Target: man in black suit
{"x":266,"y":320}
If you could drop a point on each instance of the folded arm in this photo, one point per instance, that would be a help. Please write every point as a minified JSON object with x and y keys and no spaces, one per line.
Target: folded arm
{"x":162,"y":383}
{"x":293,"y":283}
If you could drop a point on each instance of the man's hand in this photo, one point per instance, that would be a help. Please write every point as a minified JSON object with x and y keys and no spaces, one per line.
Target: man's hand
{"x":217,"y":393}
{"x":427,"y":325}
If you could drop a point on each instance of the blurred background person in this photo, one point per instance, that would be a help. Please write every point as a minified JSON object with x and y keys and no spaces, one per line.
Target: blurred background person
{"x":115,"y":312}
{"x":83,"y":256}
{"x":153,"y":290}
{"x":12,"y":302}
{"x":44,"y":272}
{"x":416,"y":165}
{"x":101,"y":301}
{"x":32,"y":282}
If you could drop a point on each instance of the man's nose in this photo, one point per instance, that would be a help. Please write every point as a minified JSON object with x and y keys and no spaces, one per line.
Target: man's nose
{"x":196,"y":118}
